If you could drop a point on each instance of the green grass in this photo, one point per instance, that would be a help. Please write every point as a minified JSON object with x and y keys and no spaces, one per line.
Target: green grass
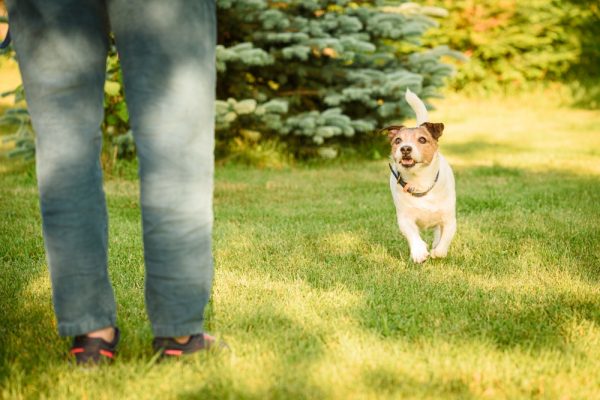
{"x":314,"y":291}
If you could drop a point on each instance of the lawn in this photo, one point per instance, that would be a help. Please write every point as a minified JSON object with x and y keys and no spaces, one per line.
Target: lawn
{"x":314,"y":290}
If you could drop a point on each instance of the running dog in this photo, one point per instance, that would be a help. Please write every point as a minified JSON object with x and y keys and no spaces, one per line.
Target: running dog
{"x":422,"y":184}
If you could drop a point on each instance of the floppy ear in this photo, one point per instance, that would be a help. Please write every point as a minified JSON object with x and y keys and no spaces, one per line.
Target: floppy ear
{"x":392,"y":130}
{"x":434,"y":128}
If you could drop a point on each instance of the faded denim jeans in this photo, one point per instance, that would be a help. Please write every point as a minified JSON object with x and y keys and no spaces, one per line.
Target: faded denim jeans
{"x":167,"y":54}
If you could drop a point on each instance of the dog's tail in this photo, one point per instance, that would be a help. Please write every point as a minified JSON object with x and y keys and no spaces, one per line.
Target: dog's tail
{"x":417,"y":105}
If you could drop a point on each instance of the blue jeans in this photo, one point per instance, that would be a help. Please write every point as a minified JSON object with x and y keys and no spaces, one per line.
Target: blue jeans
{"x":167,"y":54}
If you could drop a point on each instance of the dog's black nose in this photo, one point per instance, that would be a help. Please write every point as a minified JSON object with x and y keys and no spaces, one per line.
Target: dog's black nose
{"x":406,"y":149}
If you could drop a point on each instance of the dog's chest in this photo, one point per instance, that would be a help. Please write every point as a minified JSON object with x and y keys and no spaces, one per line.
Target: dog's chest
{"x":425,"y":212}
{"x":428,"y":219}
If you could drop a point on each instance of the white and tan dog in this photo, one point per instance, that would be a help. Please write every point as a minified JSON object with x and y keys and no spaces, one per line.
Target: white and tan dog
{"x":422,"y":184}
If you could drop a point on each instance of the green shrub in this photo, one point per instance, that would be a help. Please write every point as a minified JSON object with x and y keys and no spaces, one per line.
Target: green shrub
{"x":514,"y":45}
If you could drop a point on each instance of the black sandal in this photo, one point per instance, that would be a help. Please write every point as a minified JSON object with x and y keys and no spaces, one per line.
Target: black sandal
{"x":94,"y":351}
{"x":170,"y":348}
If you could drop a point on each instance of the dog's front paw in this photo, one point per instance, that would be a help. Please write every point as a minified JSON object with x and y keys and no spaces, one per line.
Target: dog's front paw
{"x":419,"y":253}
{"x":438,"y":252}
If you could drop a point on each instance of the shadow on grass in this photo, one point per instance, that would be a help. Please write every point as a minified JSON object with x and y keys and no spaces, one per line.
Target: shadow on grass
{"x":516,"y":212}
{"x":390,"y":383}
{"x":515,"y":221}
{"x":456,"y":310}
{"x":27,"y":334}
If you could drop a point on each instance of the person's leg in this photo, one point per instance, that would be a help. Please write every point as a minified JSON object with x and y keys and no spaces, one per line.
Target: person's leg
{"x":167,"y":53}
{"x":61,"y":47}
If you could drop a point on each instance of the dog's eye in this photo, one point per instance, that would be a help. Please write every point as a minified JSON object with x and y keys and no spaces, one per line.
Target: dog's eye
{"x":422,"y":140}
{"x":397,"y":140}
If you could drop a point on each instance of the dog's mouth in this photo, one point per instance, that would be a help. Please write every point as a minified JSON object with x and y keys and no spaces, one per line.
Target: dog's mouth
{"x":407,"y":162}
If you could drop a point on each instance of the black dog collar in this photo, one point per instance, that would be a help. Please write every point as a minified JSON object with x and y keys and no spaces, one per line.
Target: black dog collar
{"x":410,"y":190}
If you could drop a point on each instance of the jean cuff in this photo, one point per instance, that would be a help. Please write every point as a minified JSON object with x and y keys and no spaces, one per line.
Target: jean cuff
{"x":85,"y":326}
{"x":177,"y":330}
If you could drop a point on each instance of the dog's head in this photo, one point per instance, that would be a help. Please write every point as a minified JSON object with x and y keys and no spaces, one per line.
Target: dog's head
{"x":414,"y":146}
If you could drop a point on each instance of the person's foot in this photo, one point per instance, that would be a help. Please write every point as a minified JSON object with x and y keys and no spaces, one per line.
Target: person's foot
{"x":92,"y":349}
{"x":182,"y":339}
{"x":176,"y":347}
{"x":107,"y":334}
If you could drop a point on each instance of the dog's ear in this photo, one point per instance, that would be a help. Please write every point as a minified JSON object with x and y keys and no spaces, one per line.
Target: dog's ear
{"x":392,"y":130}
{"x":434,"y":128}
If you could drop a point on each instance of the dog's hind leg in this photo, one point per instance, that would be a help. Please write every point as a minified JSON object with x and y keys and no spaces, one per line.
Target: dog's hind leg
{"x":448,"y":230}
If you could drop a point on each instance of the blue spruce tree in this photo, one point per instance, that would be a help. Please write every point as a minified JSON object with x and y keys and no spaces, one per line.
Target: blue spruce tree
{"x":318,"y":71}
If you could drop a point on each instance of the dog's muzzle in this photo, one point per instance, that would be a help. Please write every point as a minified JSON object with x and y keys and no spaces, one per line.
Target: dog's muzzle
{"x":406,"y":161}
